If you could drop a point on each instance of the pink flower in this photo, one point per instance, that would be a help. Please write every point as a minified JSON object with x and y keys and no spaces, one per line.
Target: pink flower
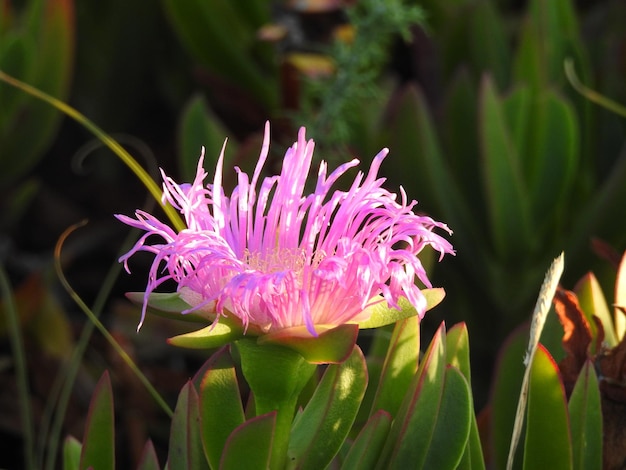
{"x":276,"y":258}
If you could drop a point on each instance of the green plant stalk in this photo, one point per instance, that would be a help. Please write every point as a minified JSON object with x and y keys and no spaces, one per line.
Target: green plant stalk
{"x":116,"y":148}
{"x":60,"y":394}
{"x":590,"y":94}
{"x":123,"y":354}
{"x":20,"y":370}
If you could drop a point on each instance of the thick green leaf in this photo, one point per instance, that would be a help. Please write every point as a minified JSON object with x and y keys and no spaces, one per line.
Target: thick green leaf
{"x":369,"y":443}
{"x":250,"y":445}
{"x":332,"y":345}
{"x":506,"y":194}
{"x":551,"y":160}
{"x":399,"y":367}
{"x":220,"y":405}
{"x":320,"y":430}
{"x":411,"y":433}
{"x":166,"y":304}
{"x":585,"y":412}
{"x":505,"y":392}
{"x":71,"y":453}
{"x":382,"y":314}
{"x":593,"y":303}
{"x":185,"y":448}
{"x":98,"y":449}
{"x":200,"y":128}
{"x":452,"y":429}
{"x":148,"y":459}
{"x":212,"y":336}
{"x":548,"y":441}
{"x":457,"y":350}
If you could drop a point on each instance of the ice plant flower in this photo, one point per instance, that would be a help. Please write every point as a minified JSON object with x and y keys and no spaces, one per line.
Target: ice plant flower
{"x":276,"y":258}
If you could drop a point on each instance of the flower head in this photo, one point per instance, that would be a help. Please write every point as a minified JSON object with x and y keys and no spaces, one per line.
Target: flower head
{"x":276,"y":258}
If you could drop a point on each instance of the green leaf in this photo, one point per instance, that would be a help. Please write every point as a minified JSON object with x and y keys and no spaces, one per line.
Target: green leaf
{"x":220,"y":405}
{"x":548,"y":441}
{"x":585,"y":412}
{"x":213,"y":336}
{"x":166,"y":304}
{"x":505,"y":392}
{"x":332,"y":345}
{"x":250,"y":445}
{"x":505,"y":191}
{"x":185,"y":448}
{"x":148,"y":459}
{"x":411,"y":433}
{"x":71,"y":453}
{"x":399,"y":367}
{"x":457,"y":350}
{"x":593,"y":303}
{"x":382,"y":314}
{"x":200,"y":128}
{"x":320,"y":430}
{"x":98,"y":449}
{"x":452,"y":429}
{"x":369,"y":443}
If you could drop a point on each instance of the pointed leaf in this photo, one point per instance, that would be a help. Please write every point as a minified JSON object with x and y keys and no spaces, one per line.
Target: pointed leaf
{"x":548,"y":441}
{"x":148,"y":459}
{"x":250,"y":445}
{"x":320,"y":430}
{"x":620,"y":299}
{"x":411,"y":433}
{"x":185,"y":448}
{"x":505,"y":191}
{"x":220,"y":405}
{"x":369,"y":443}
{"x":382,"y":314}
{"x":399,"y":367}
{"x":98,"y":449}
{"x":71,"y":453}
{"x":168,"y":305}
{"x":593,"y":303}
{"x":452,"y":429}
{"x":585,"y":411}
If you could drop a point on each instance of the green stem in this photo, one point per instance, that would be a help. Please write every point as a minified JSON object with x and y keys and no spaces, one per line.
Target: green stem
{"x":20,"y":370}
{"x":115,"y":147}
{"x":276,"y":376}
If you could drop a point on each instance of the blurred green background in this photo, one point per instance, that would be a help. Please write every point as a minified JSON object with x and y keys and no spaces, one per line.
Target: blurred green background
{"x":471,"y":97}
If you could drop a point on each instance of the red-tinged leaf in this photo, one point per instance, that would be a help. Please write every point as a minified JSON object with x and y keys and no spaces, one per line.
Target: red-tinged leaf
{"x":148,"y":459}
{"x":585,"y":411}
{"x":98,"y":449}
{"x":593,"y":304}
{"x":399,"y":367}
{"x":319,"y":431}
{"x":408,"y":440}
{"x":576,"y":337}
{"x":452,"y":428}
{"x":382,"y":314}
{"x":620,"y":300}
{"x":548,"y":441}
{"x":71,"y":453}
{"x":250,"y":445}
{"x":457,"y":350}
{"x":185,"y":449}
{"x":332,"y":345}
{"x":369,"y":443}
{"x":220,"y":405}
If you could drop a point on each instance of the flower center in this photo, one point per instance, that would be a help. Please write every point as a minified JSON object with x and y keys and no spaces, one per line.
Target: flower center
{"x":285,"y":259}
